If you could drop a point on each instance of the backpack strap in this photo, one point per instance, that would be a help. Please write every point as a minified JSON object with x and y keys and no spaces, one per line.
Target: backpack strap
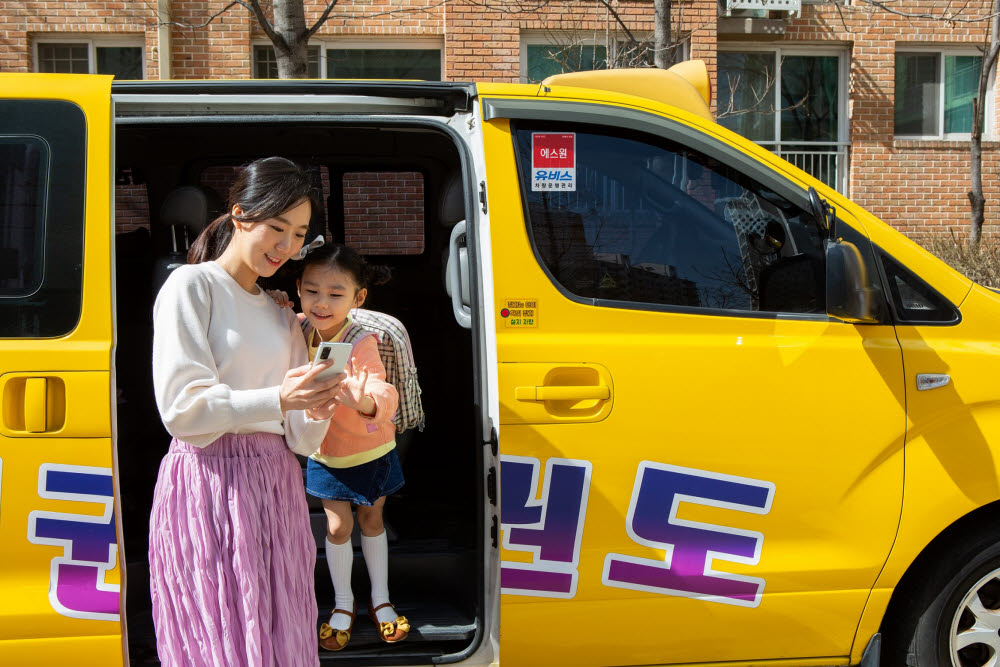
{"x":355,"y":334}
{"x":307,"y":328}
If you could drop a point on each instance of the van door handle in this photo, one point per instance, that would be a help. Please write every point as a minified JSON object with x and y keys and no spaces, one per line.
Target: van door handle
{"x":563,"y":393}
{"x":458,"y":279}
{"x":34,"y":405}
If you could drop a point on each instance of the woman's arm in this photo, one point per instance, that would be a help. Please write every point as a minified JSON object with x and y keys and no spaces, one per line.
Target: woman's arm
{"x":195,"y":405}
{"x":303,"y":435}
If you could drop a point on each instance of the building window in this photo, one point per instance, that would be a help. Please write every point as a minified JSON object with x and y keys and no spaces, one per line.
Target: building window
{"x":265,"y":62}
{"x":934,"y":93}
{"x":393,"y":62}
{"x":420,"y":60}
{"x":122,"y":60}
{"x":546,"y":54}
{"x":792,"y":103}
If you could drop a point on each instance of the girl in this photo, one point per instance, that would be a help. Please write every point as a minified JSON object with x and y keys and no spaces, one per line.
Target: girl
{"x":230,"y":550}
{"x":357,"y":462}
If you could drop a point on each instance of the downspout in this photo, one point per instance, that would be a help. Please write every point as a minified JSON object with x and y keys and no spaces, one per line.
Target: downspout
{"x":163,"y":37}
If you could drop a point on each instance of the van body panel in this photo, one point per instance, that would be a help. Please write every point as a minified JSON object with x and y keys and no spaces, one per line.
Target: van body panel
{"x":952,"y":447}
{"x":62,"y":574}
{"x":770,"y":424}
{"x":950,"y":283}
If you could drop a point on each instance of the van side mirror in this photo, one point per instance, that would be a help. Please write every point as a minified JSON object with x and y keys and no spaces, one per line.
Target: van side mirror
{"x":823,"y":213}
{"x":851,"y":295}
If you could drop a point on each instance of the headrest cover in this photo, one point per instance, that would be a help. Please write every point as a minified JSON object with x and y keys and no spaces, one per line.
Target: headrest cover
{"x":452,"y":200}
{"x":191,"y":206}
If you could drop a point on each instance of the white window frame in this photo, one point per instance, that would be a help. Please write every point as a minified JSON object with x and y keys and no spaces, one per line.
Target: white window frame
{"x":942,"y":52}
{"x":348,"y":43}
{"x":843,"y":71}
{"x":133,"y":41}
{"x":535,"y":37}
{"x":843,"y":140}
{"x":266,"y":42}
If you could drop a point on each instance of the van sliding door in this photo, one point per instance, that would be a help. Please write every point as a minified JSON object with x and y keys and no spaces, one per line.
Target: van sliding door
{"x":61,"y":573}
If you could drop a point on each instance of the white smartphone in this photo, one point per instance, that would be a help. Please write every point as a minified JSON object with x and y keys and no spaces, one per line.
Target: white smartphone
{"x":339,"y":353}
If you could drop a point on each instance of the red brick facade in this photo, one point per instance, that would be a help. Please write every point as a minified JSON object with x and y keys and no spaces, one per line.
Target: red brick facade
{"x":918,"y":186}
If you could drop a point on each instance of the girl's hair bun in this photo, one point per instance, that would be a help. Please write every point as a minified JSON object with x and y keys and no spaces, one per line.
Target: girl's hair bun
{"x":377,"y":274}
{"x":346,"y":259}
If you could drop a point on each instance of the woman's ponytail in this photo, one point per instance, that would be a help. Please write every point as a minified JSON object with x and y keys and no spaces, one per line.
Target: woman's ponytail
{"x":212,"y":240}
{"x":263,"y":189}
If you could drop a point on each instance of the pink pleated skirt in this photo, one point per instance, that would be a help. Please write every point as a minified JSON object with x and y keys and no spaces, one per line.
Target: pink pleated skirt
{"x":231,"y":556}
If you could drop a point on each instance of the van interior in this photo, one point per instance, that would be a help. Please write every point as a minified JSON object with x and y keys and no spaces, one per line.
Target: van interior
{"x":394,"y":192}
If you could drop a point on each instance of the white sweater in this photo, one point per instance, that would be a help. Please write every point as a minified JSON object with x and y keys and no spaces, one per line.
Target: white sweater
{"x":219,"y":356}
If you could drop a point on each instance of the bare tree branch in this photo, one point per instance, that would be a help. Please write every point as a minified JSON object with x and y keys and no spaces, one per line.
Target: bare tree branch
{"x":265,"y":25}
{"x":321,"y":20}
{"x":947,"y":17}
{"x":618,"y":19}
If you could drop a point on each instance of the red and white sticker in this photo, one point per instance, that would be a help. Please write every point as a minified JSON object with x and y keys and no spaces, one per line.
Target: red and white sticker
{"x":553,"y":161}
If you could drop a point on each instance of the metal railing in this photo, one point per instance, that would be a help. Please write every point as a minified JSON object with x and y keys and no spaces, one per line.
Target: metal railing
{"x":828,"y":161}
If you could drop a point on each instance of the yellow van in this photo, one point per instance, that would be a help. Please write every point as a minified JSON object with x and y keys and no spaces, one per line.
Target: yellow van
{"x":685,"y":403}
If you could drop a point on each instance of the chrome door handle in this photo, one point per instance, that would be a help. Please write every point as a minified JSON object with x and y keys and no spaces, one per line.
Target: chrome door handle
{"x":927,"y":381}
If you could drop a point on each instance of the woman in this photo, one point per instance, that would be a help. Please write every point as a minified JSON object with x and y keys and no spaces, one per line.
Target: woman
{"x":230,"y":551}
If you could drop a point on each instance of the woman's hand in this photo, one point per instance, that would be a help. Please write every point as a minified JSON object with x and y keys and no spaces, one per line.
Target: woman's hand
{"x":300,"y":390}
{"x":280,"y":297}
{"x":351,"y":392}
{"x":323,"y":412}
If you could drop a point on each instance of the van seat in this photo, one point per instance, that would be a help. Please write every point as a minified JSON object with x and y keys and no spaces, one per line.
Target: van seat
{"x":186,"y":211}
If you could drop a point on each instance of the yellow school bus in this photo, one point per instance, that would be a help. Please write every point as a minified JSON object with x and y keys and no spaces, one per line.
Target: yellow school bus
{"x":686,"y":404}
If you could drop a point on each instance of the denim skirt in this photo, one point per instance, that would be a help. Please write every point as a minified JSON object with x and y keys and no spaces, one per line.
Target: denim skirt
{"x":358,"y":485}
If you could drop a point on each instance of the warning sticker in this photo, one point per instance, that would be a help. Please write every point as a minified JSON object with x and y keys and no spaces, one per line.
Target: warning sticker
{"x":553,"y":161}
{"x":520,"y":313}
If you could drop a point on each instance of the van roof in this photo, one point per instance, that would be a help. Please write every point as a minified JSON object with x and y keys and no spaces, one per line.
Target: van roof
{"x":684,"y":86}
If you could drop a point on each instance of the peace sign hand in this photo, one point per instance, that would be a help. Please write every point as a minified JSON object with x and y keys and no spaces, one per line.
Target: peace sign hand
{"x":351,"y":392}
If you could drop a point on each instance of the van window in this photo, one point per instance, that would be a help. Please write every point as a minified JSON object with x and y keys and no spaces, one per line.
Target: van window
{"x":42,"y":171}
{"x":650,"y":221}
{"x":913,"y":300}
{"x":23,"y":163}
{"x":384,"y":212}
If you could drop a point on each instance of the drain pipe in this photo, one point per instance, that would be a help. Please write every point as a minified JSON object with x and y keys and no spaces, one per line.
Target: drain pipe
{"x":163,"y":37}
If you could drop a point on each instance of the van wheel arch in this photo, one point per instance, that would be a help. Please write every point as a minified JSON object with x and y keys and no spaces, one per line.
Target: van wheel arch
{"x":920,"y":601}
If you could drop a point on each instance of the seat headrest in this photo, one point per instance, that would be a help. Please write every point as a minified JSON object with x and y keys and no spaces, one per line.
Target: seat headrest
{"x":191,"y":206}
{"x":452,"y":200}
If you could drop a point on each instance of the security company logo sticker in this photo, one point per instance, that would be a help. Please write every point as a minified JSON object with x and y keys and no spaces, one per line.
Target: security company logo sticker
{"x":520,"y":313}
{"x":553,"y":161}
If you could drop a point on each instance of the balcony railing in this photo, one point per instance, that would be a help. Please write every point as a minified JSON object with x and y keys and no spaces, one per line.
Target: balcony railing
{"x":827,"y":161}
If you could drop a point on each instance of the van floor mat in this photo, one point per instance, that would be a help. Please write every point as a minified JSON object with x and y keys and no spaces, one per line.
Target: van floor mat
{"x":436,"y":628}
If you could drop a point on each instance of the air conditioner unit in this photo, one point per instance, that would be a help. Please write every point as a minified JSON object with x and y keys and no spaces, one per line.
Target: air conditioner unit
{"x":790,"y":6}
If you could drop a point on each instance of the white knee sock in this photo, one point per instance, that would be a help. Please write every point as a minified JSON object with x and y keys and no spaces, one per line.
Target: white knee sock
{"x":340,"y":559}
{"x":376,"y":551}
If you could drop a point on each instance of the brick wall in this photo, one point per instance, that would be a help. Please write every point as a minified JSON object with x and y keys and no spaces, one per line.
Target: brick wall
{"x":384,"y":212}
{"x":917,"y":186}
{"x":131,"y":208}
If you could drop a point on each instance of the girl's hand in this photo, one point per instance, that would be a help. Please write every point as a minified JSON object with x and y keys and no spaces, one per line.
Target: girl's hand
{"x":280,"y":298}
{"x":351,"y":392}
{"x":324,"y":411}
{"x":300,"y":390}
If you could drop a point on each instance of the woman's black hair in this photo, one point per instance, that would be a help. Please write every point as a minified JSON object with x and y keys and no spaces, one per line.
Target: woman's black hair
{"x":348,"y":260}
{"x":264,"y":189}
